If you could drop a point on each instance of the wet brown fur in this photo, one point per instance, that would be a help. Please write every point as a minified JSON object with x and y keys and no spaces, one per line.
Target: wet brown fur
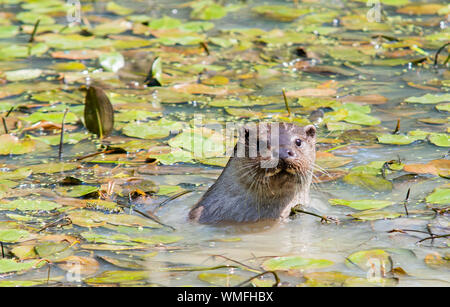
{"x":248,"y":192}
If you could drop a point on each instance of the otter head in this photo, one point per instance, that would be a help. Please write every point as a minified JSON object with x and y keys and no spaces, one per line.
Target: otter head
{"x":277,"y":151}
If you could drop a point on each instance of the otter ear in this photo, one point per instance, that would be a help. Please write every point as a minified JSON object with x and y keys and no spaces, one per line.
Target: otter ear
{"x":310,"y":131}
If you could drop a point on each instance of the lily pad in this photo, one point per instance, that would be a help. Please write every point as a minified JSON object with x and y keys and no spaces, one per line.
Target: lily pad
{"x":362,"y":204}
{"x":118,"y":277}
{"x":429,"y":99}
{"x":439,"y":196}
{"x":294,"y":263}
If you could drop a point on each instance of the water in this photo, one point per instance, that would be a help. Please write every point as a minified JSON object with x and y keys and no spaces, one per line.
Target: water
{"x":302,"y":235}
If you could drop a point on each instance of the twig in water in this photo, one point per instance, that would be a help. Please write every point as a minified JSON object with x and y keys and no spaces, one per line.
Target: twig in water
{"x":205,"y":47}
{"x":61,"y":140}
{"x":4,"y":120}
{"x":437,"y":54}
{"x":36,"y":25}
{"x":150,"y":216}
{"x":277,"y":279}
{"x":405,"y":202}
{"x":397,"y":127}
{"x":57,"y":223}
{"x":433,"y":237}
{"x":171,"y":198}
{"x":323,"y":218}
{"x":286,"y":102}
{"x":238,"y":262}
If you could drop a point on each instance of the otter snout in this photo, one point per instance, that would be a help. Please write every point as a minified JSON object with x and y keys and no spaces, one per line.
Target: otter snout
{"x":287,"y":153}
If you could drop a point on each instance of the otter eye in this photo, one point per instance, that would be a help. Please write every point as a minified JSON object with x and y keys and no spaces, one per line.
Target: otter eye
{"x":298,"y":142}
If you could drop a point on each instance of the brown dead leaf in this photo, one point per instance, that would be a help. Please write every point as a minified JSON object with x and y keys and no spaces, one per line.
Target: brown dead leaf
{"x":434,"y":167}
{"x":77,"y":54}
{"x":79,"y":264}
{"x":422,"y":9}
{"x":367,"y":99}
{"x":328,"y":160}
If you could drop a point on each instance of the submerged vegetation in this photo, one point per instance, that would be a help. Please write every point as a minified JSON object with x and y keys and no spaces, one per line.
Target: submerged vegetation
{"x":103,"y":118}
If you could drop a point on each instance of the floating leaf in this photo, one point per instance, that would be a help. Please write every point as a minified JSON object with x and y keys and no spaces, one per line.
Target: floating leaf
{"x":280,"y":12}
{"x":397,"y":139}
{"x":79,"y":265}
{"x":434,"y":167}
{"x":12,"y":235}
{"x":76,"y":191}
{"x":118,"y":277}
{"x":98,"y":112}
{"x":294,"y":263}
{"x":362,"y":204}
{"x":371,"y":215}
{"x":23,"y":74}
{"x":10,"y":265}
{"x":439,"y":196}
{"x":436,"y":261}
{"x":325,"y":279}
{"x":113,"y":61}
{"x":154,"y":77}
{"x":152,"y":130}
{"x":440,"y":139}
{"x":11,"y":145}
{"x":29,"y":205}
{"x":118,"y":9}
{"x":368,"y":181}
{"x":429,"y":99}
{"x":52,"y":167}
{"x":368,"y":258}
{"x":222,"y":279}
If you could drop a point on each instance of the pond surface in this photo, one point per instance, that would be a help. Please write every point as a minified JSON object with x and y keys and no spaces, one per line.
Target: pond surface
{"x":90,"y":219}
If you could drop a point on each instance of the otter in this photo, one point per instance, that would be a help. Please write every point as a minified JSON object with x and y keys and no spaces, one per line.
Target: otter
{"x":264,"y":178}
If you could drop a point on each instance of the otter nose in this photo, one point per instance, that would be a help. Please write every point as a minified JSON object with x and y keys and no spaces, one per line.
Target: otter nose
{"x":286,"y":153}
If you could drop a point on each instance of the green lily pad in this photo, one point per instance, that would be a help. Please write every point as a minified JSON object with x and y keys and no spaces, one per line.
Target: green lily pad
{"x":76,"y":191}
{"x":221,"y":279}
{"x":439,"y":196}
{"x":23,"y":74}
{"x":152,"y":130}
{"x":176,"y":155}
{"x":360,"y":118}
{"x":31,"y":18}
{"x":118,"y":277}
{"x":10,"y":265}
{"x":159,"y":239}
{"x":326,"y":279}
{"x":52,"y":167}
{"x":362,"y":204}
{"x":8,"y":31}
{"x":12,"y":235}
{"x":138,"y":115}
{"x":398,"y":139}
{"x":55,"y":117}
{"x":118,"y":9}
{"x":12,"y":145}
{"x":294,"y":263}
{"x":443,"y":107}
{"x":429,"y":99}
{"x":440,"y":139}
{"x":29,"y":205}
{"x":367,"y":258}
{"x":17,"y":174}
{"x":371,"y":215}
{"x":368,"y":181}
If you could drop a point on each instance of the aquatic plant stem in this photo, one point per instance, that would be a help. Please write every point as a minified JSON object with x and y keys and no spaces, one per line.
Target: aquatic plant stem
{"x":286,"y":102}
{"x":61,"y":140}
